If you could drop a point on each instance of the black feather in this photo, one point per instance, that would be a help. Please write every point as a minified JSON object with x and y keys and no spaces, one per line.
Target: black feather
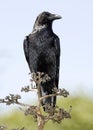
{"x":42,"y":52}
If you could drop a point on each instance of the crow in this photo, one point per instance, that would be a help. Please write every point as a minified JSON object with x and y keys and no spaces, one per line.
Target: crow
{"x":42,"y":52}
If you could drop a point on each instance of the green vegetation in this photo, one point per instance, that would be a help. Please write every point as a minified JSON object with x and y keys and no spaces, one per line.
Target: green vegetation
{"x":82,"y":116}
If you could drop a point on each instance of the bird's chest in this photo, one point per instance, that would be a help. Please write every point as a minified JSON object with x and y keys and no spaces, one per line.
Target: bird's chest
{"x":42,"y":43}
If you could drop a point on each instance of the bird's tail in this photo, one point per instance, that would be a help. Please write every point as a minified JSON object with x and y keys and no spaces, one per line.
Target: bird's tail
{"x":49,"y":101}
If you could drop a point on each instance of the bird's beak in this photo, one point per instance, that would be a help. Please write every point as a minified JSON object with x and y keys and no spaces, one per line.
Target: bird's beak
{"x":55,"y":16}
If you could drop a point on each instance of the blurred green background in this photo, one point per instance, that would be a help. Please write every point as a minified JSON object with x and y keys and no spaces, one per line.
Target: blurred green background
{"x":81,"y":116}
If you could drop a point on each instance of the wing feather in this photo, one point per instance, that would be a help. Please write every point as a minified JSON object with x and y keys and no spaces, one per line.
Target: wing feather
{"x":57,"y":47}
{"x":26,"y":48}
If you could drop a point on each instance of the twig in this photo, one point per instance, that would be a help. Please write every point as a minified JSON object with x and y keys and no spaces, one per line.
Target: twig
{"x":13,"y":99}
{"x":61,"y":92}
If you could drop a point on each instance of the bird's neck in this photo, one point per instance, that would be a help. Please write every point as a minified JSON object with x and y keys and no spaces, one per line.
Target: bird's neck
{"x":38,"y":28}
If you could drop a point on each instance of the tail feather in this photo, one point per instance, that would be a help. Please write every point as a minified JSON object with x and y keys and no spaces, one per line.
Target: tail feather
{"x":50,"y":100}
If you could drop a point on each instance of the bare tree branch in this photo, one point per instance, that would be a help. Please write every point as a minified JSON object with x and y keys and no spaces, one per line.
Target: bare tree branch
{"x":55,"y":114}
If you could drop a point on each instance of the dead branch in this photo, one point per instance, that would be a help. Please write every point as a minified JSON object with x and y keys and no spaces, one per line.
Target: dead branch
{"x":59,"y":92}
{"x":55,"y":114}
{"x":13,"y":99}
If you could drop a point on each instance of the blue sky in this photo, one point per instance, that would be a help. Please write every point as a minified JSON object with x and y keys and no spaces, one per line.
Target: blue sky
{"x":75,"y":30}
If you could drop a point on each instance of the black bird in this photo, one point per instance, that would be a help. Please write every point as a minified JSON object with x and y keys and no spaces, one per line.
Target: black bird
{"x":42,"y":52}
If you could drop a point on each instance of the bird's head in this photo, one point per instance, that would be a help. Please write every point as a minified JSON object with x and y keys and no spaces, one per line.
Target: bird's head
{"x":46,"y":18}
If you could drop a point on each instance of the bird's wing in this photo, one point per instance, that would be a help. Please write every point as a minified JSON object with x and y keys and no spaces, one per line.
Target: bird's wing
{"x":26,"y":48}
{"x":57,"y":48}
